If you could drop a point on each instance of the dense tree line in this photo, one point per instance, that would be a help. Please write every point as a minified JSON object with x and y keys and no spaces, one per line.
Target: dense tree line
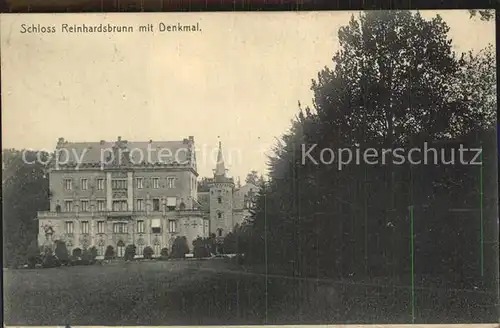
{"x":395,"y":83}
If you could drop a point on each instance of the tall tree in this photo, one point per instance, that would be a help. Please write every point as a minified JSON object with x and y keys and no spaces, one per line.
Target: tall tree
{"x":395,"y":83}
{"x":24,"y":192}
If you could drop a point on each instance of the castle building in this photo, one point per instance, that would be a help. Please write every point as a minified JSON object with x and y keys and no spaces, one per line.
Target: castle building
{"x":142,"y":193}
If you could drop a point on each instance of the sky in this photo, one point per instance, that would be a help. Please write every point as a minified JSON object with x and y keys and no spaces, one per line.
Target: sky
{"x":238,"y":80}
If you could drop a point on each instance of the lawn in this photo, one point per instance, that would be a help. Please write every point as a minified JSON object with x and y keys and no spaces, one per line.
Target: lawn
{"x":210,"y":292}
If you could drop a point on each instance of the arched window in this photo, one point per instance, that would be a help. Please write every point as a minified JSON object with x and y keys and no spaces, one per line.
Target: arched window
{"x":120,"y":249}
{"x":100,"y":247}
{"x":219,"y":232}
{"x":140,"y":246}
{"x":157,"y":247}
{"x":58,"y":208}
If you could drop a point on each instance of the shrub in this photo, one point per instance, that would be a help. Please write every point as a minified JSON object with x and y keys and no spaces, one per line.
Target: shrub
{"x":61,"y":252}
{"x":180,"y":247}
{"x":33,"y":254}
{"x":201,"y":247}
{"x":93,"y":253}
{"x":129,"y":252}
{"x":164,"y":253}
{"x":86,"y":257}
{"x":77,"y":253}
{"x":110,"y":253}
{"x":50,"y":261}
{"x":148,"y":253}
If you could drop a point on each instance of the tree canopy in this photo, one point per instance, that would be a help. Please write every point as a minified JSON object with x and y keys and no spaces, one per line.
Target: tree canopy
{"x":395,"y":83}
{"x":24,"y":192}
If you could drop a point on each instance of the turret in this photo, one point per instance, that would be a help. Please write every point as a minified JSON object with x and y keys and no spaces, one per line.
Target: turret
{"x":221,"y":199}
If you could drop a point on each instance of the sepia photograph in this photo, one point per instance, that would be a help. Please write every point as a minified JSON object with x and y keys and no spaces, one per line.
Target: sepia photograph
{"x":250,"y":168}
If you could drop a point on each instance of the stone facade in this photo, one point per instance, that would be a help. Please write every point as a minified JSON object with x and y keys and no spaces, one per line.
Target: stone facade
{"x":128,"y":197}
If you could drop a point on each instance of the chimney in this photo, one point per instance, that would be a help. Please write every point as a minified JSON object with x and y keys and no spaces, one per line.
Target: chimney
{"x":185,"y":141}
{"x":191,"y":138}
{"x":102,"y":142}
{"x":119,"y":138}
{"x":150,"y":141}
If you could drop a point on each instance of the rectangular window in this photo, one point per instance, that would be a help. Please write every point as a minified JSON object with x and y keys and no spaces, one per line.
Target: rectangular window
{"x":219,"y":200}
{"x":101,"y":205}
{"x":100,"y":227}
{"x":172,"y":226}
{"x":156,"y":205}
{"x":84,"y":183}
{"x":85,"y":226}
{"x":100,"y":184}
{"x":120,"y":227}
{"x":171,"y":203}
{"x":120,"y":205}
{"x":68,"y":205}
{"x":170,"y":182}
{"x":139,"y":183}
{"x":140,"y":205}
{"x":85,"y":205}
{"x":69,"y":227}
{"x":119,"y":184}
{"x":155,"y":226}
{"x":156,"y":183}
{"x":68,"y":184}
{"x":219,"y":215}
{"x":140,"y":226}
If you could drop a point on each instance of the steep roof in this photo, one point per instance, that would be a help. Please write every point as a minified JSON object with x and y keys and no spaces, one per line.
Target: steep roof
{"x":135,"y":152}
{"x":204,"y":200}
{"x":220,"y":168}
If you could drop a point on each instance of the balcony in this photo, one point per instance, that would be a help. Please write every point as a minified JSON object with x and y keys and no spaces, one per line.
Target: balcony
{"x":117,"y":214}
{"x":72,"y":215}
{"x":113,"y":214}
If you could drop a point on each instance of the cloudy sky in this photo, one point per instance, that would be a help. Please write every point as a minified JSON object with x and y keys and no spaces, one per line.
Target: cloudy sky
{"x":238,"y":79}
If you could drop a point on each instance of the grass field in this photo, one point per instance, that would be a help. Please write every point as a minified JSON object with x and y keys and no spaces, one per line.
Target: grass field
{"x":209,"y":292}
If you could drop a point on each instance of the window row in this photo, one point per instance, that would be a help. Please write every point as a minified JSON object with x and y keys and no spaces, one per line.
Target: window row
{"x":120,"y":205}
{"x":120,"y":227}
{"x":120,"y":183}
{"x":155,"y":183}
{"x":84,"y":184}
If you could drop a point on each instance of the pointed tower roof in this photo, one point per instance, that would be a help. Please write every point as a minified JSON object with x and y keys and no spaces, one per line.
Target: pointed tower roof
{"x":220,"y":168}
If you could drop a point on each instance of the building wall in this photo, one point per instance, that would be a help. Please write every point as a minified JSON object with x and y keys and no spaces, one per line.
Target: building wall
{"x":59,"y":193}
{"x":225,"y":222}
{"x":183,"y":186}
{"x":191,"y":226}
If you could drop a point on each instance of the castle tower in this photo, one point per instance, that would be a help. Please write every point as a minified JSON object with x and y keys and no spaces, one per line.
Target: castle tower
{"x":221,"y":199}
